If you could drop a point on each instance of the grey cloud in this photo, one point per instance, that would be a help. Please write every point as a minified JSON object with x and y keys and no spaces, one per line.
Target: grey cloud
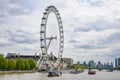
{"x":73,"y":41}
{"x":82,"y":29}
{"x":20,"y":36}
{"x":88,"y":46}
{"x":84,"y":46}
{"x":17,"y":11}
{"x":113,"y":53}
{"x":14,"y":7}
{"x":6,"y":44}
{"x":22,"y":40}
{"x":27,"y":49}
{"x":94,"y":3}
{"x":104,"y":43}
{"x":18,"y":32}
{"x":98,"y":25}
{"x":109,"y":55}
{"x":114,"y":38}
{"x":116,"y":52}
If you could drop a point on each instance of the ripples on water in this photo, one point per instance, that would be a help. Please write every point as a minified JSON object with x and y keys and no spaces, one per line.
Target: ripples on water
{"x":100,"y":75}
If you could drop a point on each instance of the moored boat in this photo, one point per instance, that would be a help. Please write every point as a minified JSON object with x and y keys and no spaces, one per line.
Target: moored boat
{"x":91,"y":72}
{"x":77,"y":71}
{"x":52,"y":74}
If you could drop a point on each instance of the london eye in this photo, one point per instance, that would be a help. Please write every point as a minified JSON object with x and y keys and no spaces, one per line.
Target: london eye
{"x":45,"y":40}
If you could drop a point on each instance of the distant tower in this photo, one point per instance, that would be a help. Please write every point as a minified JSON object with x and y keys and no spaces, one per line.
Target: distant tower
{"x":91,"y":64}
{"x":116,"y":63}
{"x":108,"y":66}
{"x":78,"y":62}
{"x":105,"y":66}
{"x":84,"y":63}
{"x":99,"y":63}
{"x":111,"y":65}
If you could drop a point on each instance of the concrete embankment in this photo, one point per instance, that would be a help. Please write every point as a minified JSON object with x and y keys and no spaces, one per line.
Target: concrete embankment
{"x":18,"y":71}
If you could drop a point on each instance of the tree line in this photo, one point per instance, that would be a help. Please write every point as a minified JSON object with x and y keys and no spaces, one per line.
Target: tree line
{"x":19,"y":64}
{"x":78,"y":66}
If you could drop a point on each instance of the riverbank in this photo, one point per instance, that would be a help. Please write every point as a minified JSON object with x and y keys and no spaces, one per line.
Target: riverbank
{"x":76,"y":71}
{"x":18,"y":71}
{"x":100,"y":75}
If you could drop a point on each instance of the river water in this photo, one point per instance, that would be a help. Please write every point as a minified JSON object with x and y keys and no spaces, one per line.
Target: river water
{"x":100,"y":75}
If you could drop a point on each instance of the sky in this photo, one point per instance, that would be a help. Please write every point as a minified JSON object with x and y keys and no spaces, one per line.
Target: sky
{"x":91,"y":27}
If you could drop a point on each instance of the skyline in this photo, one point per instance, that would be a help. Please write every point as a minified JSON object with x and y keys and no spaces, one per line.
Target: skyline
{"x":91,"y":28}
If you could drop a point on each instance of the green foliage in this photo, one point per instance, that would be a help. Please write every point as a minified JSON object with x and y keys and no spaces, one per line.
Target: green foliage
{"x":20,"y":64}
{"x":32,"y":63}
{"x":3,"y":63}
{"x":118,"y":68}
{"x":11,"y":64}
{"x":1,"y":56}
{"x":27,"y":65}
{"x":78,"y":66}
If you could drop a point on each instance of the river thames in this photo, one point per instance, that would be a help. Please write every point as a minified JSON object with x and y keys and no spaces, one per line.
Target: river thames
{"x":100,"y":75}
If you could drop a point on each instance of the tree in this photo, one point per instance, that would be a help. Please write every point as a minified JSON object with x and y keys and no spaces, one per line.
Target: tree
{"x":20,"y":64}
{"x":118,"y":68}
{"x":78,"y":66}
{"x":27,"y":65}
{"x":3,"y":63}
{"x":32,"y":63}
{"x":11,"y":64}
{"x":75,"y":66}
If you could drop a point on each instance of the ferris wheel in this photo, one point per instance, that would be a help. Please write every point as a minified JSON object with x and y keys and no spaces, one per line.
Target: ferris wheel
{"x":45,"y":41}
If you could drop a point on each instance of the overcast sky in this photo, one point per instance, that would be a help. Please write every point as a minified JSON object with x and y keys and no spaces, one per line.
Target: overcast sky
{"x":91,"y":27}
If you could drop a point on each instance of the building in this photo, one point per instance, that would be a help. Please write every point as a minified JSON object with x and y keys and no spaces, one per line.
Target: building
{"x":100,"y":65}
{"x":108,"y":65}
{"x":117,"y":62}
{"x":91,"y":64}
{"x":16,"y":56}
{"x":84,"y":63}
{"x":105,"y":66}
{"x":68,"y":61}
{"x":111,"y":64}
{"x":78,"y":62}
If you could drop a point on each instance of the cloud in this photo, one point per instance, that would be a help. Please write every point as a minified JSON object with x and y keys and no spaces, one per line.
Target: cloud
{"x":98,"y":25}
{"x":113,"y":53}
{"x":73,"y":41}
{"x":5,"y":44}
{"x":88,"y":47}
{"x":21,"y":37}
{"x":114,"y":38}
{"x":96,"y":40}
{"x":91,"y":27}
{"x":93,"y":3}
{"x":13,"y":7}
